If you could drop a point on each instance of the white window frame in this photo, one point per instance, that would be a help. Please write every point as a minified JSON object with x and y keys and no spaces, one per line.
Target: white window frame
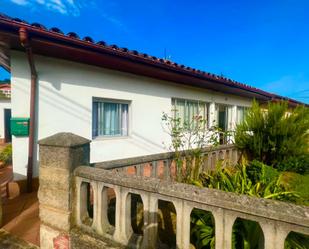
{"x":113,"y":101}
{"x":199,"y":102}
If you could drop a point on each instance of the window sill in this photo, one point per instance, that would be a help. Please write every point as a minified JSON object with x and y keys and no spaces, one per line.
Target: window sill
{"x":104,"y":138}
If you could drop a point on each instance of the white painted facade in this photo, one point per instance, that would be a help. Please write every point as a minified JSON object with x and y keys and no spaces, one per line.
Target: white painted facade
{"x":65,"y":94}
{"x":4,"y":104}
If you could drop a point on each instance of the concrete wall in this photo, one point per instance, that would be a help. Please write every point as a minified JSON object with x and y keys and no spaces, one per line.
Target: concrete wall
{"x":4,"y":104}
{"x":65,"y":95}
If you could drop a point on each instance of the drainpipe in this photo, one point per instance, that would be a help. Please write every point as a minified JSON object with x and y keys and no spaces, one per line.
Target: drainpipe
{"x":25,"y":42}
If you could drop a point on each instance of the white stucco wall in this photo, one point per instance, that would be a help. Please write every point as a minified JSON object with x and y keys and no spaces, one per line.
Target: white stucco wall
{"x":4,"y":104}
{"x":65,"y":97}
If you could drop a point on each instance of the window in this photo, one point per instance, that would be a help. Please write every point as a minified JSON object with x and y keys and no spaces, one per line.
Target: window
{"x":224,"y":116}
{"x":189,"y":110}
{"x":109,"y":118}
{"x":241,"y":113}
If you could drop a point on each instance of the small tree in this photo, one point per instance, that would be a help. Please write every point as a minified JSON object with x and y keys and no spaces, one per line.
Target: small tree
{"x":187,"y":142}
{"x":275,"y":134}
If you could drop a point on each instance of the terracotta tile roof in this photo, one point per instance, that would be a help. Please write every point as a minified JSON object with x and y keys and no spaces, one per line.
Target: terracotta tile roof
{"x":125,"y":52}
{"x":5,"y":86}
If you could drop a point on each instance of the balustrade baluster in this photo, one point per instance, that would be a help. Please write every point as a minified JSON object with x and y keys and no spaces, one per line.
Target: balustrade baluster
{"x":139,"y":170}
{"x":274,"y":235}
{"x":167,"y":169}
{"x":94,"y":186}
{"x":123,"y":228}
{"x":154,"y":169}
{"x":223,"y":229}
{"x":183,"y":214}
{"x":150,"y":221}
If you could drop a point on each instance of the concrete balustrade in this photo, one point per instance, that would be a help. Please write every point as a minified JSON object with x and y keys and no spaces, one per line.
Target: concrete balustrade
{"x":276,"y":218}
{"x":163,"y":166}
{"x":64,"y":196}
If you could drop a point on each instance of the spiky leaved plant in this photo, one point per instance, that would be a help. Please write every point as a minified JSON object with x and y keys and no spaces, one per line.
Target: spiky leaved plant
{"x":274,"y":134}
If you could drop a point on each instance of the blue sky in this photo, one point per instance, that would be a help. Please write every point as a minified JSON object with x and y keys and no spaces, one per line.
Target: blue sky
{"x":262,"y":43}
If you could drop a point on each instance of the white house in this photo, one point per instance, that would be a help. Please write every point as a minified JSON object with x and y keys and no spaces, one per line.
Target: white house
{"x":5,"y":89}
{"x":5,"y":115}
{"x":110,"y":95}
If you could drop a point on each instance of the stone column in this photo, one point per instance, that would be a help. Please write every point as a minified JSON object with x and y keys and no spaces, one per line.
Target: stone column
{"x":274,"y":235}
{"x":183,"y":212}
{"x":224,"y":227}
{"x":60,"y":154}
{"x":150,"y":221}
{"x":102,"y":224}
{"x":123,"y":228}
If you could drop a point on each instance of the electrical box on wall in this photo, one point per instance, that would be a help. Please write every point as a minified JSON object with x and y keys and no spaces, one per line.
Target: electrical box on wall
{"x":20,"y":126}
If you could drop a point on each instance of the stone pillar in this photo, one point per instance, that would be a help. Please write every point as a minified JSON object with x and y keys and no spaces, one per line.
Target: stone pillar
{"x":123,"y":228}
{"x":224,"y":227}
{"x":183,"y":212}
{"x":102,"y":224}
{"x":150,"y":221}
{"x":274,"y":235}
{"x":60,"y":154}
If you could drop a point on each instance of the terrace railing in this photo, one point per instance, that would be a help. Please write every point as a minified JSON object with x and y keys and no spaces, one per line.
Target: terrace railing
{"x":74,"y":197}
{"x":162,"y":165}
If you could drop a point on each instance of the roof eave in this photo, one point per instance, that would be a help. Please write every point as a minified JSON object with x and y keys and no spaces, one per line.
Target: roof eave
{"x":57,"y":45}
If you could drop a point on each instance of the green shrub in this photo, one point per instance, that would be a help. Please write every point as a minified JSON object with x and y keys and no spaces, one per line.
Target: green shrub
{"x":6,"y":155}
{"x":275,"y":135}
{"x":268,"y":185}
{"x":298,"y":164}
{"x":255,"y":179}
{"x":260,"y":172}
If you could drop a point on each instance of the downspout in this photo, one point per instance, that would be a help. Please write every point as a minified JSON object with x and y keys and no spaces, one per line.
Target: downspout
{"x":25,"y":42}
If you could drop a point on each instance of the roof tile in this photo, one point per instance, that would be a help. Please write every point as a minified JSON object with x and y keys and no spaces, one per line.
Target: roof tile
{"x":144,"y":56}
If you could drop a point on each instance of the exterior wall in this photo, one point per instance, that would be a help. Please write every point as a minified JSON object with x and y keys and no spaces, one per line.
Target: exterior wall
{"x":65,"y":105}
{"x":4,"y":104}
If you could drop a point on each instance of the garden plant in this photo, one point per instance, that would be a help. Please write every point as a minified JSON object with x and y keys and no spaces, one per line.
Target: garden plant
{"x":274,"y":144}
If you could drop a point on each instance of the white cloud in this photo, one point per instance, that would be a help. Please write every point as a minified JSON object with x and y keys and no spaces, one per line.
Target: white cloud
{"x":65,"y":7}
{"x":72,"y":8}
{"x":20,"y":2}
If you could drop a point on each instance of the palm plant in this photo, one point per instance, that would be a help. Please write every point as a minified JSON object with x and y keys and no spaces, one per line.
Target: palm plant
{"x":246,"y":234}
{"x":202,"y":229}
{"x":237,"y":180}
{"x":275,"y":134}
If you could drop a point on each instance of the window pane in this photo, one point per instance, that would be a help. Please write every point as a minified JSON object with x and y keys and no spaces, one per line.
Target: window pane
{"x":109,"y":119}
{"x":94,"y":119}
{"x":189,"y":110}
{"x":202,"y":110}
{"x":180,"y":109}
{"x":124,"y":119}
{"x":240,"y":114}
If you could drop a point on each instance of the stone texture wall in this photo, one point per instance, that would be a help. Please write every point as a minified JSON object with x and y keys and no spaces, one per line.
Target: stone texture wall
{"x":59,"y":155}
